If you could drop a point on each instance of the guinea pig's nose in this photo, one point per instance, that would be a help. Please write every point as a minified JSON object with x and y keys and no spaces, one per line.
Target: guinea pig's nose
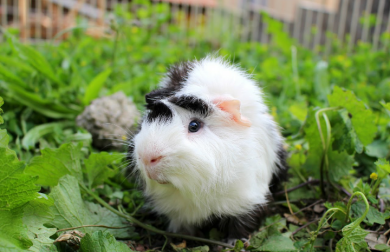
{"x":151,"y":160}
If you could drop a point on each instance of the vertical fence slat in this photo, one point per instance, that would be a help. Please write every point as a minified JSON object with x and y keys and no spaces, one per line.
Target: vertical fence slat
{"x":355,"y":23}
{"x":220,"y":14}
{"x":49,"y":28}
{"x":175,"y":12}
{"x":23,"y":19}
{"x":342,"y":21}
{"x":209,"y":20}
{"x":4,"y":8}
{"x":319,"y":23}
{"x":386,"y":43}
{"x":378,"y":24}
{"x":38,"y":16}
{"x":297,"y":24}
{"x":366,"y":25}
{"x":264,"y":32}
{"x":15,"y":16}
{"x":307,"y":27}
{"x":235,"y":19}
{"x":255,"y":24}
{"x":101,"y":4}
{"x":186,"y":20}
{"x":245,"y":21}
{"x":330,"y":27}
{"x":197,"y":17}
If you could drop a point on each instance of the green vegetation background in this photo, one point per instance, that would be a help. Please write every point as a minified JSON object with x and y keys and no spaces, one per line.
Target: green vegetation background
{"x":334,"y":111}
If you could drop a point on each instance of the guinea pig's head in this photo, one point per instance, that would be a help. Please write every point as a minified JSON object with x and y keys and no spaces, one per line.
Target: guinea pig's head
{"x":192,"y":138}
{"x":186,"y":141}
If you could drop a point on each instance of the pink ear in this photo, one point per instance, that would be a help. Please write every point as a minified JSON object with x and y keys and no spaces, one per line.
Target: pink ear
{"x":232,"y":107}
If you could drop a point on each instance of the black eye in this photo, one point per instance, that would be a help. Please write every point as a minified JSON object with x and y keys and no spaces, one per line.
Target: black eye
{"x":194,"y":126}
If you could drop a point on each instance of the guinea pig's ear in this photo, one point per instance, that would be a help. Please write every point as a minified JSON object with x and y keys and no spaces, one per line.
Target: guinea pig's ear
{"x":232,"y":106}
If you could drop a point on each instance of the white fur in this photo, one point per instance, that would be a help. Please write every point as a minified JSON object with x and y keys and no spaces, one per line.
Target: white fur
{"x":222,"y":170}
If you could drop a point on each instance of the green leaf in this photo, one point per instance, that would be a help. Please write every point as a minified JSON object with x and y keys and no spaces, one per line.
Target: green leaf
{"x":38,"y":62}
{"x":1,"y":111}
{"x":386,"y":105}
{"x":95,"y":86}
{"x":312,"y":136}
{"x":199,"y":249}
{"x":102,"y":242}
{"x":34,"y":134}
{"x":13,"y":233}
{"x":344,"y":134}
{"x":258,"y":239}
{"x":373,"y":215}
{"x":378,"y":149}
{"x":383,"y":164}
{"x":382,"y":247}
{"x":4,"y":143}
{"x":353,"y":239}
{"x":16,"y":63}
{"x":238,"y":246}
{"x":8,"y":76}
{"x":55,"y":163}
{"x":37,"y":213}
{"x":16,"y":188}
{"x":277,"y":243}
{"x":299,"y":110}
{"x":36,"y":103}
{"x":339,"y":165}
{"x":363,"y":120}
{"x":3,"y":138}
{"x":71,"y":211}
{"x":96,"y":167}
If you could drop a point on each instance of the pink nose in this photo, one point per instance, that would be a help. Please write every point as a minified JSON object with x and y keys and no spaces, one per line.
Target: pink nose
{"x":151,"y":160}
{"x":155,"y":160}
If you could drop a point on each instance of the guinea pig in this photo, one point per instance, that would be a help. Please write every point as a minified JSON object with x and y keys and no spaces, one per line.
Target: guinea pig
{"x":207,"y":150}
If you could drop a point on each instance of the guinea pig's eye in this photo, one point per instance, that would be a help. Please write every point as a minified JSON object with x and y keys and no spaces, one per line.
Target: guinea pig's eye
{"x":194,"y":126}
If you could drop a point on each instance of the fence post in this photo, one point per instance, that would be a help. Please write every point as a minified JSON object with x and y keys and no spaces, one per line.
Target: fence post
{"x":23,"y":19}
{"x":378,"y":25}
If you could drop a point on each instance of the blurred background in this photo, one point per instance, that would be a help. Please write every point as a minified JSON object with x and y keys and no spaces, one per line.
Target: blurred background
{"x":311,"y":22}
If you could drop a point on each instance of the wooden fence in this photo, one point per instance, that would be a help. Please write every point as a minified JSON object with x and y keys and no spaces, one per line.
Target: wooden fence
{"x":309,"y":21}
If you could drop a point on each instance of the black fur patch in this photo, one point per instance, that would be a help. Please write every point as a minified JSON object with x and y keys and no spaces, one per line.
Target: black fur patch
{"x":237,"y":227}
{"x":282,"y":174}
{"x":155,"y":96}
{"x":159,"y":111}
{"x":177,"y":74}
{"x":191,"y":103}
{"x":242,"y":226}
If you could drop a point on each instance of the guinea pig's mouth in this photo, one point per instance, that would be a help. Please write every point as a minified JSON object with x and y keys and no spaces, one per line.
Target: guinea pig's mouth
{"x":156,"y":177}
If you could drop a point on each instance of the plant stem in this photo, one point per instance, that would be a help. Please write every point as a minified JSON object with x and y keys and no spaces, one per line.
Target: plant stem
{"x":349,"y":207}
{"x":304,"y":226}
{"x":310,"y":182}
{"x":149,"y":227}
{"x":314,"y":181}
{"x":103,"y":226}
{"x":323,"y":219}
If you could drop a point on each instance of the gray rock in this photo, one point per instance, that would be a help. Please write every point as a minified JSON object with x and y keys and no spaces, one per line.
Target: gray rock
{"x":110,"y":120}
